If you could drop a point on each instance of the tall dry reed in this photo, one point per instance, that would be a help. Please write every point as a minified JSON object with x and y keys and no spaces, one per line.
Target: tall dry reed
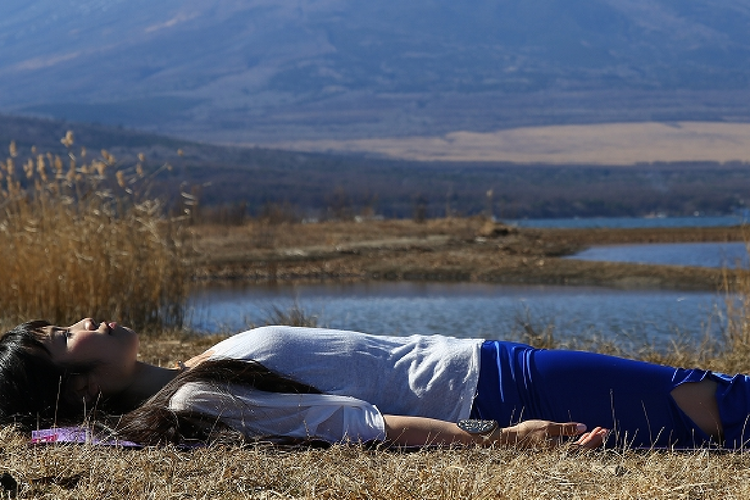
{"x":736,"y":339}
{"x":77,"y":239}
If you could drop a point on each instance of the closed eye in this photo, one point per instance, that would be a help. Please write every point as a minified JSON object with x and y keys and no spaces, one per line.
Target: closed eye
{"x":64,"y":333}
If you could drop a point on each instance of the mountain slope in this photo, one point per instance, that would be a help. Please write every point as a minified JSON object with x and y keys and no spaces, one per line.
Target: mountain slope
{"x":260,"y":70}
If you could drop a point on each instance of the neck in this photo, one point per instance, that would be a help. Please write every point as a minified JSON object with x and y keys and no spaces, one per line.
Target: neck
{"x":148,"y":380}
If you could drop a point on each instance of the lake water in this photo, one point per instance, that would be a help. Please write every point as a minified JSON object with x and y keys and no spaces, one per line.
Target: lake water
{"x":470,"y":310}
{"x":730,"y":255}
{"x":499,"y":311}
{"x":632,"y":222}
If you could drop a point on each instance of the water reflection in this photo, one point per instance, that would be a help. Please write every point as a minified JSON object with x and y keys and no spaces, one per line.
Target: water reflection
{"x":470,"y":310}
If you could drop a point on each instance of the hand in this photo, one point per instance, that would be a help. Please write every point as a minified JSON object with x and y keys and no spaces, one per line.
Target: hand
{"x":546,"y":434}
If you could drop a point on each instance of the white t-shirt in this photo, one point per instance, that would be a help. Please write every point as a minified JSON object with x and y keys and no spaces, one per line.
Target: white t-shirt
{"x":361,"y":375}
{"x":270,"y":415}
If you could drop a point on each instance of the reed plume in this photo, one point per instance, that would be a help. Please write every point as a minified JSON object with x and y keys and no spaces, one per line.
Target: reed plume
{"x":73,"y":244}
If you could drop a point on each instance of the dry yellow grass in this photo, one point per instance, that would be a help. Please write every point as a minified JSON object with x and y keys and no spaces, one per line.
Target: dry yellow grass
{"x":90,"y":472}
{"x":74,"y":243}
{"x":601,"y":144}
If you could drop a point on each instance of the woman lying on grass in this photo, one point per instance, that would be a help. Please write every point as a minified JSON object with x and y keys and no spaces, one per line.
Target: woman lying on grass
{"x":289,"y":384}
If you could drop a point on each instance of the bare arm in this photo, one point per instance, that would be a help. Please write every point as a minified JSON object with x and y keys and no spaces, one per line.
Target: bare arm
{"x":419,"y":431}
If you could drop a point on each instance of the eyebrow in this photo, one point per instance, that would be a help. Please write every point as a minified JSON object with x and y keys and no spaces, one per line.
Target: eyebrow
{"x":48,"y":338}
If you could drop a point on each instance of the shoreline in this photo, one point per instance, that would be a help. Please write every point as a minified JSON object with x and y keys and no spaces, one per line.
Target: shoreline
{"x":444,"y":250}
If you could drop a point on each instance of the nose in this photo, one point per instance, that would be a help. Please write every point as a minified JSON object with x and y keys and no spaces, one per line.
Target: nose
{"x":89,"y":324}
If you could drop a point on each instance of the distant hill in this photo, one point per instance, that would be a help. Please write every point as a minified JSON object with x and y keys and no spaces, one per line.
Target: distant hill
{"x":283,"y":184}
{"x":261,"y":71}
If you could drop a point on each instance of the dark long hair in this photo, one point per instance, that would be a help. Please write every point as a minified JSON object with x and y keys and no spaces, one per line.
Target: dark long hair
{"x":32,"y":387}
{"x":33,"y":394}
{"x":155,"y":423}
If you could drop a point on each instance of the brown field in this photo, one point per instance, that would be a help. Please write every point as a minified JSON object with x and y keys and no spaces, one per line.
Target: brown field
{"x":599,"y":144}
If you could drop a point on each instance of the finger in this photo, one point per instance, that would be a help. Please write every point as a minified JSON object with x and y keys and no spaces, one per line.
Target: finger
{"x":556,"y":434}
{"x":567,"y":429}
{"x":585,"y":440}
{"x":596,"y":433}
{"x":601,"y":436}
{"x":592,"y":439}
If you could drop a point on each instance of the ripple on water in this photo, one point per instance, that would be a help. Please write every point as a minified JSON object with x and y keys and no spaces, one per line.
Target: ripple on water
{"x":470,"y":310}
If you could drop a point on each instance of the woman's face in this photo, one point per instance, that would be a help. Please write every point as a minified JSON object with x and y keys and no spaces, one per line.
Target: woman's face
{"x":105,"y":352}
